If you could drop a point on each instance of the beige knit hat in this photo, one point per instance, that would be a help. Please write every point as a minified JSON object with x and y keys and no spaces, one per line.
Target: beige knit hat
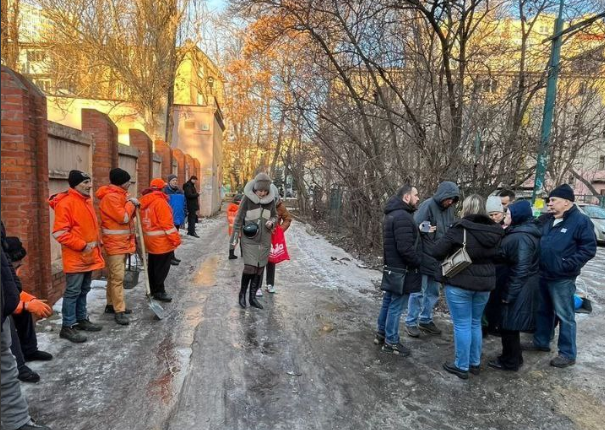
{"x":262,"y":182}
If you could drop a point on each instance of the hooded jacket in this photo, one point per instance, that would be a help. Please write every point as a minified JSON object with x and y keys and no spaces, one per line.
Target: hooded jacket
{"x":432,"y":210}
{"x":483,"y":238}
{"x":566,"y":247}
{"x":518,"y":276}
{"x":117,"y":226}
{"x":192,"y":196}
{"x":76,"y":225}
{"x":255,"y":210}
{"x":402,"y":247}
{"x":160,"y":234}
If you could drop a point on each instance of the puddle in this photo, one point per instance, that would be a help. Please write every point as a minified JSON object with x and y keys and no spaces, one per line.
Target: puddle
{"x":206,"y":274}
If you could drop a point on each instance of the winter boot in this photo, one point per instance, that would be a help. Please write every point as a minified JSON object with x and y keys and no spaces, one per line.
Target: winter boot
{"x":71,"y":334}
{"x":232,"y":255}
{"x":86,"y":325}
{"x":244,"y":288}
{"x":28,"y":375}
{"x":121,"y":318}
{"x":110,"y":310}
{"x":38,"y":355}
{"x":253,"y":289}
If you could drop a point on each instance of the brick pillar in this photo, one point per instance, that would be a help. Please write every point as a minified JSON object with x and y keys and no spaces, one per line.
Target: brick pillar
{"x":142,"y":142}
{"x":164,"y":151}
{"x":105,"y":153}
{"x":197,"y":169}
{"x":190,"y":166}
{"x":180,"y":159}
{"x":24,"y":189}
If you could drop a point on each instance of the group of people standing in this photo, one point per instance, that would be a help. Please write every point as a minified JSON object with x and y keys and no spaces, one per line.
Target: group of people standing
{"x":524,"y":267}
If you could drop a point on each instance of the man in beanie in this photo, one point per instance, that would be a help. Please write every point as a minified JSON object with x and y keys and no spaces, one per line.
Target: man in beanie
{"x":77,"y":230}
{"x":494,"y":209}
{"x":568,"y":242}
{"x":118,"y":233}
{"x":161,"y":237}
{"x":176,"y":199}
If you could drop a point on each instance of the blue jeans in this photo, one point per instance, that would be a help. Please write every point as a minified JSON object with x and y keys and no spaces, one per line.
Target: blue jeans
{"x":390,"y":315}
{"x":77,"y":286}
{"x":466,"y":309}
{"x":556,"y":299}
{"x":423,"y":302}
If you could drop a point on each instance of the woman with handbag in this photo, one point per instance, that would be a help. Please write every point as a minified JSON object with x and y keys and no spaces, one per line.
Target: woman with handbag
{"x":402,"y":258}
{"x":517,"y":282}
{"x":255,"y":220}
{"x":469,"y":249}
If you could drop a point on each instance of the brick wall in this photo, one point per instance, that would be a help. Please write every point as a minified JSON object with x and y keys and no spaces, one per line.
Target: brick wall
{"x":105,"y":152}
{"x":179,"y":156}
{"x":24,"y":190}
{"x":143,"y":143}
{"x":164,"y":151}
{"x":190,"y":166}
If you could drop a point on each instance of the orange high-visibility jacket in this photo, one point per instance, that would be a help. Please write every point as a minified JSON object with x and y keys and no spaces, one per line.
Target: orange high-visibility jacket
{"x":117,"y":226}
{"x":158,"y":227}
{"x":76,"y":225}
{"x":231,"y":214}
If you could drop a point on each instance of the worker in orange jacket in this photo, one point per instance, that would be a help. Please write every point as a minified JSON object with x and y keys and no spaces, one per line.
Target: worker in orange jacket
{"x":77,"y":230}
{"x":118,"y":234}
{"x":161,"y":237}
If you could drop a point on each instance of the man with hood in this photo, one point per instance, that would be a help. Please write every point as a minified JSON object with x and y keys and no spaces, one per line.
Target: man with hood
{"x":439,"y":211}
{"x":76,"y":228}
{"x":401,"y":251}
{"x":118,"y":233}
{"x":161,"y":237}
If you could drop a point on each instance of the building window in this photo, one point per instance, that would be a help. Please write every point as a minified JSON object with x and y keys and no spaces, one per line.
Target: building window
{"x":43,"y":84}
{"x":36,"y":56}
{"x":189,"y":125}
{"x":602,"y":162}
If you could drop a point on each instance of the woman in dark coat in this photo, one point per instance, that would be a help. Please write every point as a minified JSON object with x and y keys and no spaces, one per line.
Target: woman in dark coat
{"x":518,"y":279}
{"x":468,"y":291}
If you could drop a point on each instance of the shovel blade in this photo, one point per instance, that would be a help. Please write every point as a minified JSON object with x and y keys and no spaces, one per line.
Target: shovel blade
{"x":156,"y":309}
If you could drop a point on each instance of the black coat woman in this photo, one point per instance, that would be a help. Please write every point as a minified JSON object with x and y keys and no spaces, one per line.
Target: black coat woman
{"x":517,"y":282}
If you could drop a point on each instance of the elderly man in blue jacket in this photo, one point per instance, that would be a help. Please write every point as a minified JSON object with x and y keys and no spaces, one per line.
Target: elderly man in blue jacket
{"x":568,"y":243}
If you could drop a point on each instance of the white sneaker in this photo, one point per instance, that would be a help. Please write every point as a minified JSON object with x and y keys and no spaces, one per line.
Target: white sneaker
{"x":271,"y":289}
{"x":259,"y":292}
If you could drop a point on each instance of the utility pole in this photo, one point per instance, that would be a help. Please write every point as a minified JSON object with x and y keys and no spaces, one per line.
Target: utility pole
{"x":549,"y":105}
{"x":551,"y":92}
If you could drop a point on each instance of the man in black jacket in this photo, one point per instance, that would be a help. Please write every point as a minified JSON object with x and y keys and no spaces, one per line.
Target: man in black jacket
{"x":193,"y":205}
{"x":401,"y":251}
{"x":15,"y":411}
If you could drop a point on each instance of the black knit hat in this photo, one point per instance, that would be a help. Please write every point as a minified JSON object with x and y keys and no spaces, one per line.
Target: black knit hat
{"x":118,"y":176}
{"x":76,"y":177}
{"x":563,"y":192}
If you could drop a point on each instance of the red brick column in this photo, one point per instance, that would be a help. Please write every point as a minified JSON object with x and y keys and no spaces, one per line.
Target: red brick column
{"x":105,"y":153}
{"x":180,"y":159}
{"x":190,"y":166}
{"x":164,"y":151}
{"x":24,"y":190}
{"x":198,"y":169}
{"x":142,"y":142}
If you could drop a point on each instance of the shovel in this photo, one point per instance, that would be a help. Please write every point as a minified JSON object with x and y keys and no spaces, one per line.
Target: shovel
{"x":153,"y":305}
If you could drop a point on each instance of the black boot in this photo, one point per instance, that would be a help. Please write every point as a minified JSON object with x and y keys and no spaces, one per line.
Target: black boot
{"x":253,"y":289}
{"x":242,"y":292}
{"x":232,"y":255}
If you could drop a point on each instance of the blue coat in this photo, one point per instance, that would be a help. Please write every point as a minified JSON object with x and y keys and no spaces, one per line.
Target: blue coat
{"x":566,"y":247}
{"x":177,"y":203}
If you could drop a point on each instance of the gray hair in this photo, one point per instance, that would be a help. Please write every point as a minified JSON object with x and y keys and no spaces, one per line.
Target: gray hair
{"x":473,"y":205}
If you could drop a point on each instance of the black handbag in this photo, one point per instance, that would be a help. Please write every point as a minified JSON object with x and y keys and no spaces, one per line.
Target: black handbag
{"x":393,"y":280}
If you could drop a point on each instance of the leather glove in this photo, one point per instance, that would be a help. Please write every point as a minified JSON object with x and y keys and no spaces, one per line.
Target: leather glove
{"x":38,"y":308}
{"x":134,"y":201}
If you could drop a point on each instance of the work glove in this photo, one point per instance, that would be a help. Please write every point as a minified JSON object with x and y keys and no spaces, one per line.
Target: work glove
{"x":38,"y":308}
{"x":134,"y":201}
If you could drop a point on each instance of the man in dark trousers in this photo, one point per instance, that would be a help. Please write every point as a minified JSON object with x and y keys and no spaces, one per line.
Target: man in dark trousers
{"x":193,"y":205}
{"x":15,"y":410}
{"x":568,"y":242}
{"x":401,"y":251}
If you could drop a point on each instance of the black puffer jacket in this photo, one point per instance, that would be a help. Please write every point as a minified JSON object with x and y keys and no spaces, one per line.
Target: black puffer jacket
{"x":518,"y":276}
{"x":483,"y":238}
{"x":402,"y":247}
